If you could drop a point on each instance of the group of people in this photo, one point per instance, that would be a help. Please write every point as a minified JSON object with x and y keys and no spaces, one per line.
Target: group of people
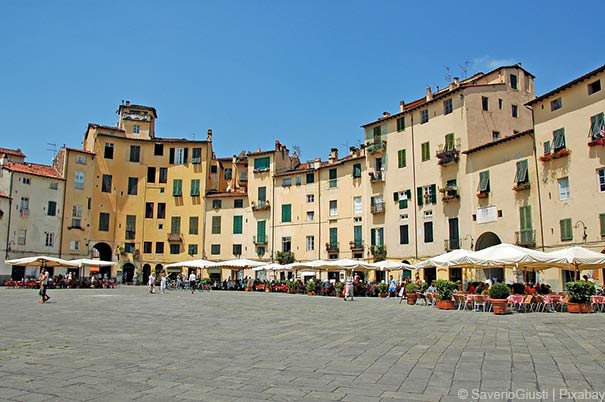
{"x":164,"y":281}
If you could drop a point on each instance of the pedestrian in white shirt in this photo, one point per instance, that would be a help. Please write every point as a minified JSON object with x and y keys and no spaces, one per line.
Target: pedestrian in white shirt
{"x":192,"y":279}
{"x":151,"y":283}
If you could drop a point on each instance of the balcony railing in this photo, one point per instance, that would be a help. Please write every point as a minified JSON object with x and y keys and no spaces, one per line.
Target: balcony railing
{"x":130,"y":235}
{"x":451,"y":244}
{"x":525,"y":238}
{"x":377,"y":176}
{"x":377,"y":208}
{"x":376,"y":146}
{"x":332,"y":247}
{"x":259,"y":240}
{"x":450,"y":193}
{"x":378,"y":250}
{"x":175,"y":237}
{"x":260,"y":205}
{"x":521,"y":186}
{"x":446,"y":157}
{"x":356,"y":245}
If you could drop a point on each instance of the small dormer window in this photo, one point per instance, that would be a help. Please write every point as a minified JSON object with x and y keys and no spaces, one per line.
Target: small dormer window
{"x":136,"y":129}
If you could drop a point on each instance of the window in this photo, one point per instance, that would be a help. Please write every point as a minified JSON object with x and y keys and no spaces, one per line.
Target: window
{"x":404,"y":236}
{"x":566,"y":229}
{"x":286,"y":182}
{"x":401,"y":123}
{"x":163,"y":175}
{"x":136,"y":129}
{"x":228,"y":173}
{"x":448,"y":106}
{"x":147,"y":247}
{"x":377,"y":236}
{"x":178,"y":156}
{"x":597,"y":126}
{"x":177,"y":187}
{"x":54,"y":186}
{"x":238,"y":203}
{"x":51,"y":210}
{"x":430,"y":194}
{"x":450,"y":142}
{"x":74,"y":245}
{"x":286,"y":244}
{"x":21,"y":237}
{"x":521,"y":176}
{"x":24,"y":208}
{"x":213,"y":169}
{"x":333,"y":208}
{"x":193,"y":225}
{"x":79,"y":181}
{"x":428,"y":232}
{"x":485,"y":103}
{"x":237,"y":224}
{"x":196,"y":156}
{"x":601,"y":177}
{"x":310,"y":243}
{"x":106,"y":183}
{"x":135,"y":153}
{"x":175,"y":225}
{"x":594,"y":87}
{"x":310,"y":178}
{"x":556,"y":104}
{"x":424,"y":116}
{"x":558,"y":139}
{"x":261,"y":234}
{"x":602,"y":224}
{"x":175,"y":249}
{"x":195,"y":187}
{"x":50,"y":239}
{"x":158,"y":149}
{"x":131,"y":222}
{"x":357,"y":205}
{"x":149,"y":210}
{"x":514,"y":81}
{"x":310,"y":198}
{"x":217,"y":204}
{"x":495,"y":135}
{"x":546,"y":147}
{"x":426,"y":151}
{"x":286,"y":213}
{"x":310,"y":216}
{"x":262,"y":164}
{"x":27,"y":180}
{"x":81,"y":159}
{"x":402,"y":197}
{"x":333,"y":178}
{"x":401,"y":162}
{"x":216,"y":225}
{"x":564,"y":188}
{"x":500,"y":104}
{"x":108,"y":153}
{"x":161,"y":210}
{"x":357,"y":170}
{"x":159,"y":247}
{"x":237,"y":250}
{"x":103,"y":222}
{"x":150,"y":175}
{"x":357,"y":219}
{"x":515,"y":110}
{"x":192,"y":249}
{"x":133,"y":183}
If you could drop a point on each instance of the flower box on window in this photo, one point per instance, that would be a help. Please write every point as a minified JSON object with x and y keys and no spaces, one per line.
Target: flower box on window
{"x":482,"y":194}
{"x":561,"y":153}
{"x":596,"y":141}
{"x":521,"y":186}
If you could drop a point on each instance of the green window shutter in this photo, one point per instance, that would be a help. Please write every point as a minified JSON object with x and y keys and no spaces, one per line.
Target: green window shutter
{"x":373,"y":237}
{"x":433,"y":194}
{"x":559,"y":138}
{"x":377,"y":132}
{"x":484,"y":181}
{"x":566,"y":232}
{"x":521,"y":176}
{"x":426,"y":151}
{"x":286,"y":213}
{"x":333,"y":173}
{"x":177,"y":187}
{"x":449,"y":142}
{"x":357,"y":237}
{"x":602,"y":221}
{"x":357,"y":170}
{"x":216,"y":225}
{"x":237,"y":224}
{"x":380,"y":235}
{"x":419,"y":195}
{"x":403,"y":204}
{"x":195,"y":187}
{"x":525,"y":217}
{"x":451,"y":183}
{"x":261,"y":231}
{"x":596,"y":123}
{"x":262,"y":163}
{"x":333,"y":235}
{"x":546,"y":147}
{"x":396,"y":196}
{"x":401,"y":160}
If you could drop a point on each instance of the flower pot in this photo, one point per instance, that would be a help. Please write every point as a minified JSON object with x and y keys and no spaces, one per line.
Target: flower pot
{"x":268,"y":289}
{"x":411,"y":298}
{"x":445,"y":304}
{"x":579,"y":308}
{"x":382,"y":295}
{"x":310,"y":294}
{"x":500,"y":306}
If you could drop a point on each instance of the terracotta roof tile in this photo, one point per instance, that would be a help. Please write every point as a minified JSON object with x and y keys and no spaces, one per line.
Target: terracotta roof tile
{"x":578,"y":80}
{"x":80,"y":150}
{"x":8,"y":151}
{"x":225,"y":194}
{"x":33,"y":169}
{"x":500,"y":141}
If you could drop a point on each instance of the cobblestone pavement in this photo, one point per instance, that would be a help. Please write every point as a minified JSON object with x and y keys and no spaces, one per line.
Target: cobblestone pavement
{"x":125,"y":344}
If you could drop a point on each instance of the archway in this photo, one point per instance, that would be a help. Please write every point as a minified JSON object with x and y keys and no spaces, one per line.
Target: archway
{"x":146,"y":273}
{"x":127,"y":272}
{"x":103,"y":250}
{"x":158,"y":270}
{"x":486,"y":240}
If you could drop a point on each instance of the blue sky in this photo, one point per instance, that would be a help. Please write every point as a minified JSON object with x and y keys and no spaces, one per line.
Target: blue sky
{"x":308,"y":73}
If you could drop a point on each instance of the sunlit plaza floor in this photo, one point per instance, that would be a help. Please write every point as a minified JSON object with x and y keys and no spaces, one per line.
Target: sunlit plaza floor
{"x":126,"y":344}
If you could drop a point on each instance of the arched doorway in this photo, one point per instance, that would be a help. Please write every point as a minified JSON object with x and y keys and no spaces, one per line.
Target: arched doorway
{"x":127,"y":272}
{"x":146,"y":273}
{"x":158,"y":270}
{"x":406,"y":273}
{"x":486,"y":240}
{"x":103,"y":250}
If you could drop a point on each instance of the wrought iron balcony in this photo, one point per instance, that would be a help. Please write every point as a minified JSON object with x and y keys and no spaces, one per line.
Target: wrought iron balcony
{"x":526,"y":238}
{"x":377,"y":208}
{"x":175,"y":237}
{"x":332,"y":247}
{"x":356,"y":245}
{"x":378,"y":250}
{"x":376,"y":146}
{"x":259,"y":240}
{"x":260,"y":205}
{"x":377,"y":176}
{"x":451,"y":244}
{"x":450,"y":193}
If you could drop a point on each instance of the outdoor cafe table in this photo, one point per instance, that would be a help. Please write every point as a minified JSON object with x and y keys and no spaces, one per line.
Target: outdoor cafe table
{"x":516,"y":300}
{"x":552,"y":301}
{"x":597,"y":302}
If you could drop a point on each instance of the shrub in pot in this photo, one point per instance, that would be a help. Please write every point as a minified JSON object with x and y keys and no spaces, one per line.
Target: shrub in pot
{"x":579,"y":296}
{"x":410,"y":292}
{"x":310,"y":287}
{"x":498,"y":294}
{"x":445,"y":289}
{"x":339,"y":286}
{"x":382,"y":289}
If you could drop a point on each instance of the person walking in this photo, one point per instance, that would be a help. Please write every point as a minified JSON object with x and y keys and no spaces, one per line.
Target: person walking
{"x":163,"y":283}
{"x":348,"y":288}
{"x":392,"y":287}
{"x":151,"y":282}
{"x":192,"y":279}
{"x":43,"y":286}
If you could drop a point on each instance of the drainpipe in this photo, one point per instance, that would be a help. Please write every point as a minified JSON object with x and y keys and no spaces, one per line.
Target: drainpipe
{"x":416,"y":209}
{"x":10,"y":211}
{"x":65,"y":166}
{"x":318,"y":213}
{"x":533,"y":136}
{"x":273,"y":214}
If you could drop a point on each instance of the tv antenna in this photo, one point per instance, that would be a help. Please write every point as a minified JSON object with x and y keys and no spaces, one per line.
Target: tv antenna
{"x":448,"y":74}
{"x":464,"y":68}
{"x":52,"y":148}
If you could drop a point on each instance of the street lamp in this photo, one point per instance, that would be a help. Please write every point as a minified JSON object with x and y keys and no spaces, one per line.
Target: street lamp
{"x":584,"y":233}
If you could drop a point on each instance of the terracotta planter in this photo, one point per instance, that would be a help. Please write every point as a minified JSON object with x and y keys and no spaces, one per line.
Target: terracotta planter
{"x":382,"y":295}
{"x":310,"y":294}
{"x":411,"y":298}
{"x":267,"y":290}
{"x":583,"y":308}
{"x":445,"y":304}
{"x":500,"y":306}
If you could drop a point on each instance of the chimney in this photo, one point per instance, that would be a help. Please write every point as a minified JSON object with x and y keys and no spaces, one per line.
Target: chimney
{"x":209,"y":135}
{"x":401,"y":106}
{"x":385,"y":115}
{"x":316,"y":163}
{"x":127,"y":103}
{"x":429,"y":94}
{"x":277,"y":145}
{"x":456,"y":82}
{"x":333,"y":155}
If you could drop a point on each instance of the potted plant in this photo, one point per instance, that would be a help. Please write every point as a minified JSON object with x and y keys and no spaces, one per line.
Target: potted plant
{"x":292,"y":287}
{"x":339,"y":286}
{"x":310,"y":287}
{"x":382,"y":290}
{"x":445,"y":289}
{"x":482,"y":194}
{"x":498,"y":294}
{"x":579,"y":296}
{"x":410,"y":293}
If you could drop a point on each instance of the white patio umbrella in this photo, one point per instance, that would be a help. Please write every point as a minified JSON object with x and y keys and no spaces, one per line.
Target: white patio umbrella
{"x":199,"y":263}
{"x":268,"y":267}
{"x":580,"y":258}
{"x":239,"y":263}
{"x":442,"y":260}
{"x":389,"y":265}
{"x":508,"y":255}
{"x":87,"y":262}
{"x":41,"y":261}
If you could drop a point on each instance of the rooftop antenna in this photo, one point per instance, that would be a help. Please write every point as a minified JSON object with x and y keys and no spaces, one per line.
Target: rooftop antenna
{"x":448,"y":74}
{"x":464,"y":68}
{"x":52,"y":148}
{"x":193,"y":136}
{"x":296,"y":149}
